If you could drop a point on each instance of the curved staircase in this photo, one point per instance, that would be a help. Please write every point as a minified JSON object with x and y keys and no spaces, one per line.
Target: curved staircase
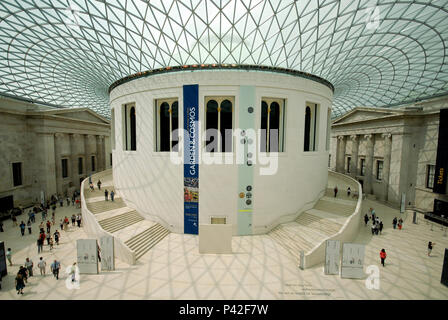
{"x":137,"y":233}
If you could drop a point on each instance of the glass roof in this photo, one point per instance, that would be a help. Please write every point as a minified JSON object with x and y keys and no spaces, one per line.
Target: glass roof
{"x":375,"y":53}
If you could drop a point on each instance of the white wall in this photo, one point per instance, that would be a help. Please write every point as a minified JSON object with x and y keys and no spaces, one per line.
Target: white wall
{"x":151,"y":183}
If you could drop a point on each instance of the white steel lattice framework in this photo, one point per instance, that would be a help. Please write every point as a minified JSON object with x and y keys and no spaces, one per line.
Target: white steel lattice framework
{"x":375,"y":53}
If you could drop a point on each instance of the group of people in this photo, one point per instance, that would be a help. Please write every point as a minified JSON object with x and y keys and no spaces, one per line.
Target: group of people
{"x":349,"y":192}
{"x":377,"y":223}
{"x":26,"y":271}
{"x":396,"y":222}
{"x":112,"y":194}
{"x":91,"y":184}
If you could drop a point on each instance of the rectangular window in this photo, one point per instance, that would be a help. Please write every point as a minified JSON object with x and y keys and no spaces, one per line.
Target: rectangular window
{"x":17,"y":173}
{"x":311,"y":127}
{"x":218,"y":220}
{"x":64,"y":168}
{"x":112,"y":127}
{"x":379,"y":170}
{"x":328,"y":129}
{"x":349,"y":159}
{"x":167,"y":125}
{"x":363,"y":167}
{"x":93,"y":163}
{"x":430,"y":172}
{"x":80,"y":166}
{"x":272,"y":125}
{"x":219,"y":124}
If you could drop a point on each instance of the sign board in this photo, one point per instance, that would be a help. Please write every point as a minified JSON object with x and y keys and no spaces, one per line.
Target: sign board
{"x":444,"y":279}
{"x":87,"y":255}
{"x":107,"y":253}
{"x":440,"y":175}
{"x":353,"y":261}
{"x":191,"y":159}
{"x":332,"y":256}
{"x":3,"y":268}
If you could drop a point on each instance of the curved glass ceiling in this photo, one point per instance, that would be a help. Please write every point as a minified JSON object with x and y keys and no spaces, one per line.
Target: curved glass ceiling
{"x":375,"y":53}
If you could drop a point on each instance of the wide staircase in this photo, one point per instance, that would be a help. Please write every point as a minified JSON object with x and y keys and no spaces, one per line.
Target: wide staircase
{"x":313,"y":226}
{"x":137,"y":233}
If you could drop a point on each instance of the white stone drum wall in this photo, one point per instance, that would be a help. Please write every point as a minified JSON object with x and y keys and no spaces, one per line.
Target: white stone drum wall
{"x":150,"y":182}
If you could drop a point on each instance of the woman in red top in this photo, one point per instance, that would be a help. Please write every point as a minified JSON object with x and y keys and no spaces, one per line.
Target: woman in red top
{"x":383,"y":256}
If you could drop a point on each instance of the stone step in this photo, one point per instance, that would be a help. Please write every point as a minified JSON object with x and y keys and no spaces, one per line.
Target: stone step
{"x":121,"y":221}
{"x":102,"y":206}
{"x":334,"y":208}
{"x":325,"y":226}
{"x":146,"y":240}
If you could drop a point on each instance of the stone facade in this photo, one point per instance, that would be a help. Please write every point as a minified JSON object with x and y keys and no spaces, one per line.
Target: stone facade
{"x":403,"y":140}
{"x":39,"y":137}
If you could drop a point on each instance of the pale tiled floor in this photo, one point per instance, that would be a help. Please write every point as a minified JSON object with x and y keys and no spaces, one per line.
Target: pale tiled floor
{"x":258,"y":269}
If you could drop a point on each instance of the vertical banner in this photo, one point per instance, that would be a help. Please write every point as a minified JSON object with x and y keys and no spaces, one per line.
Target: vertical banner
{"x":191,"y":158}
{"x":353,"y":261}
{"x":107,"y":253}
{"x":3,"y":268}
{"x":332,"y":256}
{"x":246,"y":144}
{"x":444,"y":279}
{"x":87,"y":256}
{"x":442,"y":154}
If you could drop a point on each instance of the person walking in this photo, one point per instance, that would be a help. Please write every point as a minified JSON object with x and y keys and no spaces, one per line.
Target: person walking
{"x":56,"y":237}
{"x":73,"y":272}
{"x":99,"y":184}
{"x":22,"y":228}
{"x":40,"y":244}
{"x":383,"y":256}
{"x":51,"y":244}
{"x":373,"y":228}
{"x":91,"y":186}
{"x":112,"y":194}
{"x":366,"y":219}
{"x":9,"y":256}
{"x":68,"y":201}
{"x":66,"y":223}
{"x":400,"y":224}
{"x":55,"y":266}
{"x":348,"y":192}
{"x":29,"y":266}
{"x":29,"y":226}
{"x":42,"y":265}
{"x":430,"y":245}
{"x":24,"y":273}
{"x":33,"y":217}
{"x":48,"y":226}
{"x":78,"y":220}
{"x":48,"y":236}
{"x":335,"y":191}
{"x":61,"y":223}
{"x":20,"y":284}
{"x":105,"y":194}
{"x":73,"y":218}
{"x":14,"y":220}
{"x":394,"y":223}
{"x":381,"y":226}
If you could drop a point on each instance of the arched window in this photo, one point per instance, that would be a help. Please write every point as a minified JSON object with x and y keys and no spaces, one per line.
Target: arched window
{"x":130,"y":130}
{"x":133,"y":129}
{"x":310,"y":142}
{"x":219,"y":124}
{"x":166,"y":124}
{"x":272,"y":125}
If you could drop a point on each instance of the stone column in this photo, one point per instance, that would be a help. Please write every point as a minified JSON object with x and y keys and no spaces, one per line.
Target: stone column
{"x":75,"y":147}
{"x":100,"y":153}
{"x":369,"y":164}
{"x":58,"y":141}
{"x":87,"y":153}
{"x":354,"y":158}
{"x":340,"y":156}
{"x":386,"y":166}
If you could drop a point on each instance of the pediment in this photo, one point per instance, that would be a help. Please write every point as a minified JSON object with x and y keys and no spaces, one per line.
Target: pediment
{"x":81,"y":114}
{"x":364,"y":114}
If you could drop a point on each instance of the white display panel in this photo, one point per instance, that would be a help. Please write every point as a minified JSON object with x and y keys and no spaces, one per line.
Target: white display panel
{"x":353,"y":261}
{"x":107,"y":253}
{"x":87,"y":255}
{"x":332,"y":256}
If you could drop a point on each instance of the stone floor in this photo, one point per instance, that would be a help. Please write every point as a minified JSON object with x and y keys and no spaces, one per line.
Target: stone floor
{"x":258,"y":269}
